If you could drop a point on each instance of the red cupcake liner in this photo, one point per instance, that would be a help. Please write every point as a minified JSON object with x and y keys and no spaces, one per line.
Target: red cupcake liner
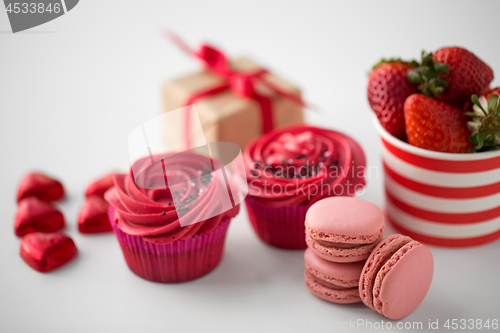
{"x":281,"y":227}
{"x":179,"y":261}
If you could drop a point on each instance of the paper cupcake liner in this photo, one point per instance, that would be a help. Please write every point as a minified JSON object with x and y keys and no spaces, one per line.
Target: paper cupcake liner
{"x":281,"y":227}
{"x":179,"y":261}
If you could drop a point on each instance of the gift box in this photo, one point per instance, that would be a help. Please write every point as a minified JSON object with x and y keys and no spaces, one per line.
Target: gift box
{"x":443,"y":199}
{"x":234,"y":104}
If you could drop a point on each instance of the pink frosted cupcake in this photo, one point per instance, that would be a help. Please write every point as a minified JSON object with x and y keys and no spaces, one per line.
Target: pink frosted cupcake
{"x":291,"y":168}
{"x":157,"y":229}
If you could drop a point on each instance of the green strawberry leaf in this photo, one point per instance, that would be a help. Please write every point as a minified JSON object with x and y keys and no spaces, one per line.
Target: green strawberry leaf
{"x":414,"y":77}
{"x":473,"y":138}
{"x":434,"y":88}
{"x":480,"y":141}
{"x":492,"y":103}
{"x":485,"y":138}
{"x":441,"y":68}
{"x":427,"y":75}
{"x":427,"y":59}
{"x":490,"y":141}
{"x":414,"y":63}
{"x":427,"y":72}
{"x":475,"y":100}
{"x":385,"y":61}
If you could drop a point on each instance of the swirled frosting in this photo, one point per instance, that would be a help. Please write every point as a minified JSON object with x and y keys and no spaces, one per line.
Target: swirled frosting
{"x":147,"y":208}
{"x":301,"y":165}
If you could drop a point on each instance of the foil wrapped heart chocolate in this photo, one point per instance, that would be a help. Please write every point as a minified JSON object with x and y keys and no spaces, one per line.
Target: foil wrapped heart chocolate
{"x":93,"y":216}
{"x":99,"y":186}
{"x":45,"y":252}
{"x":35,"y":215}
{"x":38,"y":185}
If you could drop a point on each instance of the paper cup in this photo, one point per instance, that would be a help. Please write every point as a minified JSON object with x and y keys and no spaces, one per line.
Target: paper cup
{"x":281,"y":227}
{"x":438,"y":198}
{"x":179,"y":261}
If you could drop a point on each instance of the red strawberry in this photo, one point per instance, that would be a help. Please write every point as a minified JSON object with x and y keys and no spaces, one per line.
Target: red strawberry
{"x":100,"y":185}
{"x":39,"y":185}
{"x":34,"y":215}
{"x":388,"y":88}
{"x":93,"y":216}
{"x":45,"y":252}
{"x":452,"y":75}
{"x":434,"y":125}
{"x":486,"y":92}
{"x":495,"y":91}
{"x":467,"y":75}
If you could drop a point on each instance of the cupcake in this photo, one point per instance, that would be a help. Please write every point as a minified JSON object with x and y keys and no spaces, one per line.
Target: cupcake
{"x":169,"y":218}
{"x":290,"y":169}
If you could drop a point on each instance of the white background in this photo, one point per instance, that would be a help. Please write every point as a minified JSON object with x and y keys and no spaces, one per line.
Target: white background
{"x":73,"y":89}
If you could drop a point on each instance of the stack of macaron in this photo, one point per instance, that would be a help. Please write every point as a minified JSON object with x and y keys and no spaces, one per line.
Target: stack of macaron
{"x":341,"y":232}
{"x":348,"y":261}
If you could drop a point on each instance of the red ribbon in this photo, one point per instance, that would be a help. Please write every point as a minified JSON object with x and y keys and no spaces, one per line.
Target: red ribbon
{"x":241,"y":84}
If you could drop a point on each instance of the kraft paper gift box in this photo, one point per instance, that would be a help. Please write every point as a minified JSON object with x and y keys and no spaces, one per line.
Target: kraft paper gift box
{"x":224,"y":116}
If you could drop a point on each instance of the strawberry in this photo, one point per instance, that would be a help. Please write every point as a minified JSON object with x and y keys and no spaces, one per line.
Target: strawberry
{"x":45,"y":252}
{"x":452,"y":75}
{"x":388,"y":88}
{"x":494,"y":91}
{"x":41,"y":186}
{"x":485,"y":123}
{"x":434,"y":125}
{"x":467,"y":106}
{"x":34,"y":215}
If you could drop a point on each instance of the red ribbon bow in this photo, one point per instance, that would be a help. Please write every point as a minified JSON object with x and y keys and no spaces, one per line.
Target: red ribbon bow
{"x":240,"y":83}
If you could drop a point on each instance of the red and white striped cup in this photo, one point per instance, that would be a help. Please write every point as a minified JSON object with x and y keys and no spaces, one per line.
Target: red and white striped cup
{"x":438,"y":198}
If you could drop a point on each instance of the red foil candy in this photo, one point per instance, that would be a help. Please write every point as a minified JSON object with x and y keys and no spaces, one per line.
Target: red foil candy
{"x":47,"y":251}
{"x":93,"y":216}
{"x":41,"y":186}
{"x":35,"y":215}
{"x":99,"y":186}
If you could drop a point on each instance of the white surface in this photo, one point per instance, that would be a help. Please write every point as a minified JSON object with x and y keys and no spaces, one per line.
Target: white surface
{"x":72,"y":90}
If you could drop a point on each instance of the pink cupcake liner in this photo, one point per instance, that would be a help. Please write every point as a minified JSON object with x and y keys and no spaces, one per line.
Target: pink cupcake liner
{"x":179,"y":261}
{"x":281,"y":227}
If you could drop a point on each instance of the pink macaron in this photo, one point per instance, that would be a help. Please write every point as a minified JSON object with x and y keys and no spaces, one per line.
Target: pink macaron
{"x":396,"y":276}
{"x":344,"y":229}
{"x":332,"y":281}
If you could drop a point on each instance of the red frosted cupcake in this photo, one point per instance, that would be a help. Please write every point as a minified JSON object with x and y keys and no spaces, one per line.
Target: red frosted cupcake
{"x":291,"y":168}
{"x":157,"y":226}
